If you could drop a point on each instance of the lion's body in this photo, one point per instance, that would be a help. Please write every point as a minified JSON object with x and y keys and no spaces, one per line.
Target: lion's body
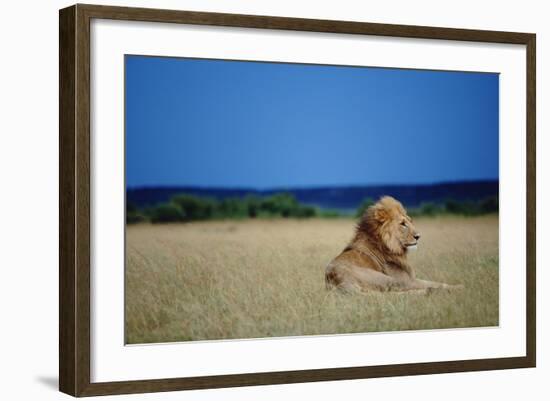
{"x":376,"y":258}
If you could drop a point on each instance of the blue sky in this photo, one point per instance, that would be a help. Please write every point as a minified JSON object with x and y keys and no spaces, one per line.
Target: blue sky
{"x":215,"y":123}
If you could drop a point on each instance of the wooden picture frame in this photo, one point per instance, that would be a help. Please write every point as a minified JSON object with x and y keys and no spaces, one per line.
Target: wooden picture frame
{"x":74,"y":199}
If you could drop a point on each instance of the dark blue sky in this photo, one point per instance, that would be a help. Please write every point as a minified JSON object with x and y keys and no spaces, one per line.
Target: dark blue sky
{"x":261,"y":125}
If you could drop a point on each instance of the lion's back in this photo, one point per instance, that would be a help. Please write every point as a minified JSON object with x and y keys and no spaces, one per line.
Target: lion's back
{"x":340,"y":270}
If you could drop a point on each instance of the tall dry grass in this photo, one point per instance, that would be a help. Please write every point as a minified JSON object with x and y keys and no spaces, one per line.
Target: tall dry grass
{"x":265,"y":278}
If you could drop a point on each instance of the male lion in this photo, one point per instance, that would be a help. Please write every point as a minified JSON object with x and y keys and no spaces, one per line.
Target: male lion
{"x":376,"y":258}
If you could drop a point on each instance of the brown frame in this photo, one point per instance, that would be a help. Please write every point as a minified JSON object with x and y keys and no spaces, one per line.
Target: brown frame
{"x":74,"y":199}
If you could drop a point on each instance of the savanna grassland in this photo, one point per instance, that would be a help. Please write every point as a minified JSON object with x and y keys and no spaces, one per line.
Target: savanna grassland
{"x":265,"y":278}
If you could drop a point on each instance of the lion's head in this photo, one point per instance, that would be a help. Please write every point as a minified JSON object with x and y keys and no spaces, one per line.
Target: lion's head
{"x":389,"y":225}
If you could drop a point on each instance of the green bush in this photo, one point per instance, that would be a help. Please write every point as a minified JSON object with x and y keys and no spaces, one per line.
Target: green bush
{"x":233,"y":208}
{"x":430,"y":209}
{"x":133,"y":214}
{"x":281,"y":204}
{"x":303,"y":211}
{"x":166,"y":213}
{"x":471,"y":208}
{"x":465,"y":208}
{"x":454,"y":207}
{"x":195,"y":208}
{"x":489,"y":205}
{"x":253,"y":205}
{"x":135,"y":217}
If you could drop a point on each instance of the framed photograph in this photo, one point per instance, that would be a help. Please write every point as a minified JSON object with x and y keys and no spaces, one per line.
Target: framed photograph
{"x":250,"y":200}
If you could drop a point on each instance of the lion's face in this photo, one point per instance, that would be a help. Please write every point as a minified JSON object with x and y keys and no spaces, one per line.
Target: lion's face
{"x":407,"y":234}
{"x":388,"y":220}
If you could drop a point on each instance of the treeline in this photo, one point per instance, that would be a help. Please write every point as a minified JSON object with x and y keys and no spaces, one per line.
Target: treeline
{"x":450,"y":206}
{"x":185,"y":208}
{"x":464,"y":208}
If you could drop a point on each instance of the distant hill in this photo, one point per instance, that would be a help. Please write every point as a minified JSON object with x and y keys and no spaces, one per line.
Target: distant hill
{"x":346,"y":198}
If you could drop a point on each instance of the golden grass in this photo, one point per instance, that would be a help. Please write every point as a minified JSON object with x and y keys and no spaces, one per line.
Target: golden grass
{"x":265,"y":278}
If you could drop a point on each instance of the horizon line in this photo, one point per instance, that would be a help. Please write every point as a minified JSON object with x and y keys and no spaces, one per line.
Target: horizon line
{"x":312,"y":187}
